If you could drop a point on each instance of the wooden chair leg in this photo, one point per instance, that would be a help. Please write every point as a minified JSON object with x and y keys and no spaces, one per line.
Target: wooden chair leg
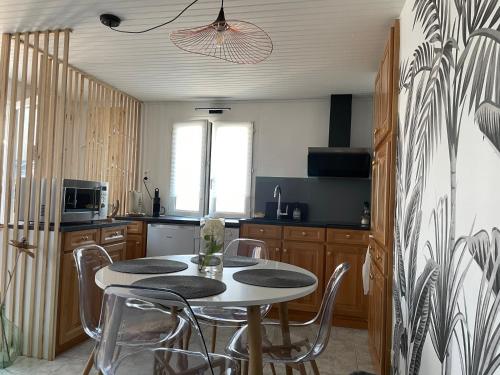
{"x":273,"y":369}
{"x":90,"y":363}
{"x":315,"y":368}
{"x":302,"y":369}
{"x":214,"y":338}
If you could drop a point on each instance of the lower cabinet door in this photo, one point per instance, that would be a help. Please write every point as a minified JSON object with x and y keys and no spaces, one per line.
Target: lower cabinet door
{"x":274,"y":249}
{"x":117,"y":251}
{"x":135,"y":246}
{"x":70,"y":329}
{"x":350,"y":300}
{"x":376,"y":316}
{"x":308,"y":255}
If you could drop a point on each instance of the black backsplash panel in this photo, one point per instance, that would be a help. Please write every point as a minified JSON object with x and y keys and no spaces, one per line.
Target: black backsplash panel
{"x":329,"y":200}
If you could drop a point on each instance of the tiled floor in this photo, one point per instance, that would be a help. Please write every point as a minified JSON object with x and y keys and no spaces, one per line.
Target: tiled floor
{"x":347,"y":352}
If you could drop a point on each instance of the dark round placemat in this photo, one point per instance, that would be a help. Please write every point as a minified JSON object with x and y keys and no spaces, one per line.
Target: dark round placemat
{"x":148,"y":266}
{"x":187,"y":286}
{"x":271,"y":278}
{"x":231,"y":261}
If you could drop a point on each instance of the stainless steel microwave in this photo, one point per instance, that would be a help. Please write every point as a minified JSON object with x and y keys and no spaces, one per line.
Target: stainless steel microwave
{"x":82,"y":201}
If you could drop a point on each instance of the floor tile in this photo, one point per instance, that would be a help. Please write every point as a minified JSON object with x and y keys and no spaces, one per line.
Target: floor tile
{"x":346,"y":352}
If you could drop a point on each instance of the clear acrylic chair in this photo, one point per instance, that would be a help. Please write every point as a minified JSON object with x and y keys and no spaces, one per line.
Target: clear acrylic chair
{"x":302,"y":343}
{"x":90,"y":259}
{"x":233,"y":316}
{"x":160,"y":356}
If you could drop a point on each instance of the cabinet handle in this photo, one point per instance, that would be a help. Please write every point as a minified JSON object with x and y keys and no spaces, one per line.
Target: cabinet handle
{"x":284,"y":250}
{"x":304,"y":233}
{"x":328,"y":253}
{"x":261,"y":230}
{"x":371,"y":276}
{"x":277,"y":250}
{"x":347,"y":236}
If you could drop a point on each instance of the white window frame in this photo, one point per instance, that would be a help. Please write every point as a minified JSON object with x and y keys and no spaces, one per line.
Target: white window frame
{"x":171,"y":205}
{"x":207,"y":203}
{"x":249,"y":174}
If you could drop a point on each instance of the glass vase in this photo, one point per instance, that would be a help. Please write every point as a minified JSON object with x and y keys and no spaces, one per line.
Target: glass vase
{"x":211,"y":251}
{"x":10,"y":340}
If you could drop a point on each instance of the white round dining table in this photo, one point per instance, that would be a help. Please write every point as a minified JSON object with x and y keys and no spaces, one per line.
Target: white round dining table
{"x":236,"y":294}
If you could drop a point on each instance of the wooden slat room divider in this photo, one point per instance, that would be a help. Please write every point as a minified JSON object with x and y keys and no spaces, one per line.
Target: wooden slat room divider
{"x":56,"y":122}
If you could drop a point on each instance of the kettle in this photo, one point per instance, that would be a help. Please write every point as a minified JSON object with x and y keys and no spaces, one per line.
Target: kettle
{"x":365,"y":216}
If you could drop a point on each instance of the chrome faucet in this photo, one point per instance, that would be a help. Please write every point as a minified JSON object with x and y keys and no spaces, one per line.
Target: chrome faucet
{"x":277,"y":194}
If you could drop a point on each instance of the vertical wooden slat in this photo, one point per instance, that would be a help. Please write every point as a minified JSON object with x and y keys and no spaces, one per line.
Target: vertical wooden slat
{"x":17,"y":311}
{"x":30,"y":174}
{"x":129,"y":154}
{"x":11,"y":129}
{"x":88,"y":136}
{"x":58,"y":166}
{"x":59,"y":112}
{"x":49,"y":177}
{"x":4,"y":90}
{"x":68,"y":135}
{"x":137,"y":143}
{"x":41,"y":141}
{"x":81,"y":123}
{"x":76,"y":125}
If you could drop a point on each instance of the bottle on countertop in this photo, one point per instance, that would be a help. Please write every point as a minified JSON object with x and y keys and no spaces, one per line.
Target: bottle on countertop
{"x":156,"y":203}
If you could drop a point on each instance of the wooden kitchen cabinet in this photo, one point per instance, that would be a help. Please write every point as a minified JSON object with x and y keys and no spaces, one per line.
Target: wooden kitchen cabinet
{"x":351,"y":303}
{"x":383,"y":94}
{"x":306,"y":247}
{"x":274,"y":249}
{"x":292,"y":233}
{"x":261,"y":231}
{"x":376,"y":314}
{"x":136,"y":240}
{"x":69,"y":331}
{"x":383,"y":204}
{"x":310,"y":256}
{"x":381,"y":193}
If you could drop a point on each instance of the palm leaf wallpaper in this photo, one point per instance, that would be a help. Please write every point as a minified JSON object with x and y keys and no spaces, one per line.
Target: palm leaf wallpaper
{"x":446,"y":287}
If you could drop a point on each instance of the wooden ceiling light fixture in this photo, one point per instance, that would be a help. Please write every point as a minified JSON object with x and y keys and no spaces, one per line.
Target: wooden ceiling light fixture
{"x":239,"y":42}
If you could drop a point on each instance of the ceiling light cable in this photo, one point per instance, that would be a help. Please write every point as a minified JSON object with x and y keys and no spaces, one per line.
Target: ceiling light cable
{"x":157,"y":26}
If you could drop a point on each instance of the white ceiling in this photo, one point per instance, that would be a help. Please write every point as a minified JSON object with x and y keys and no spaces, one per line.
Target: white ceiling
{"x":320,"y":46}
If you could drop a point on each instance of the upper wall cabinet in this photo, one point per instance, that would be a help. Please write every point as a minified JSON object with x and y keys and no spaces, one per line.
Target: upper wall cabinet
{"x":384,"y":94}
{"x":381,"y":178}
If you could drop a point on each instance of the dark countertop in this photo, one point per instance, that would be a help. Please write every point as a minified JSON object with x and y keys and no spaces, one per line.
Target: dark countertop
{"x":72,"y":227}
{"x":230,"y":223}
{"x":323,"y":224}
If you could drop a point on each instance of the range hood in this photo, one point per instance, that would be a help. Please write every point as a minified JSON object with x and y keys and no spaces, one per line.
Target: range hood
{"x":339,"y":159}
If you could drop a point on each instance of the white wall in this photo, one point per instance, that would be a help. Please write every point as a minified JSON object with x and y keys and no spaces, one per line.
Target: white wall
{"x":283,"y":132}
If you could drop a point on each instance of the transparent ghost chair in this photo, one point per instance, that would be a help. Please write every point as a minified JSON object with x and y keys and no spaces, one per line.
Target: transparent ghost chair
{"x":301,"y":342}
{"x":161,"y":356}
{"x":233,"y":316}
{"x":90,"y":259}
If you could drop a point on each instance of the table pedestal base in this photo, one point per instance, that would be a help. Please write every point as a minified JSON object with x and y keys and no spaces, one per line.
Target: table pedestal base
{"x":254,"y":340}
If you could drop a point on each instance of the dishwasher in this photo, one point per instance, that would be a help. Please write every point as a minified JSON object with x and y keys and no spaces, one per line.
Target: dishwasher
{"x":168,"y":239}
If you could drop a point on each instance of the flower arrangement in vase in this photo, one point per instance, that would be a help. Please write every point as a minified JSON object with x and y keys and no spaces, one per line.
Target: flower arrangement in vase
{"x":10,"y":337}
{"x":211,"y":251}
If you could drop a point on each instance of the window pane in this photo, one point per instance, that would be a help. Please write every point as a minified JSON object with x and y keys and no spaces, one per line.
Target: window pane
{"x":188,"y":155}
{"x":231,"y":168}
